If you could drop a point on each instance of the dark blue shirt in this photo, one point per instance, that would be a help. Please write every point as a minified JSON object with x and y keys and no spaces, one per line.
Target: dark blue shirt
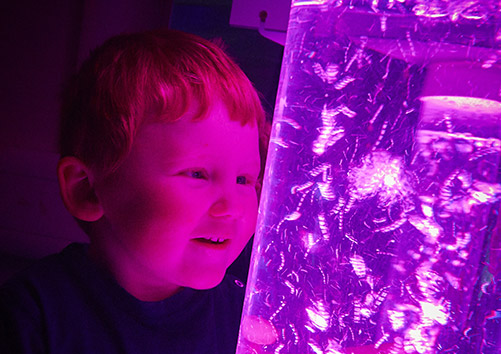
{"x":66,"y":304}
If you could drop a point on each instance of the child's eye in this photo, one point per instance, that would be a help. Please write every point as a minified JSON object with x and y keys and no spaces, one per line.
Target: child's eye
{"x":246,"y":180}
{"x":196,"y":174}
{"x":241,"y":180}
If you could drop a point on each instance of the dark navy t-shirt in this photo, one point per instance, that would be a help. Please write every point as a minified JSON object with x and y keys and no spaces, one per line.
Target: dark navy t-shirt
{"x":65,"y":304}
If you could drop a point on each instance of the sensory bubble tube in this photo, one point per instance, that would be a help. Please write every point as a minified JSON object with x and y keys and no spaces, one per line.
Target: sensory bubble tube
{"x":377,"y":224}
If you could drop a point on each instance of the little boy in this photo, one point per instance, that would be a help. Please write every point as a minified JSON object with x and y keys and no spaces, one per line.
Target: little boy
{"x":162,"y":143}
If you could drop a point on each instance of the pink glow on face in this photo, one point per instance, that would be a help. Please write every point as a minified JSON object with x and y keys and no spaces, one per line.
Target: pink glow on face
{"x":183,"y":204}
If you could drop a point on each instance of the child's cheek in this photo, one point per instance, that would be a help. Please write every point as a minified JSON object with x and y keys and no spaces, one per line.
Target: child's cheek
{"x":157,"y":211}
{"x":140,"y":210}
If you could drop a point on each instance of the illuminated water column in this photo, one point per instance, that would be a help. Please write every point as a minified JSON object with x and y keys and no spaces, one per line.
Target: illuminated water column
{"x":382,"y":186}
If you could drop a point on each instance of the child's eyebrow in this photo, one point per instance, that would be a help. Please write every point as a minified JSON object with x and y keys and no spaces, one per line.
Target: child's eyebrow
{"x":181,"y":160}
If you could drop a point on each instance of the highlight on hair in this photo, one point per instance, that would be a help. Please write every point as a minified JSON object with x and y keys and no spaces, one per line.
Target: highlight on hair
{"x":148,"y":77}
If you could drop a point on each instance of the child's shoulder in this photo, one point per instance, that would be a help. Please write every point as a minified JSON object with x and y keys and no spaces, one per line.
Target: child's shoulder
{"x":68,"y":289}
{"x":48,"y":269}
{"x":27,"y":298}
{"x":44,"y":282}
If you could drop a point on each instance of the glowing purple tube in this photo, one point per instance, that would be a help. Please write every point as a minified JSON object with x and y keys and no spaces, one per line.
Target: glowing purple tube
{"x":382,"y":185}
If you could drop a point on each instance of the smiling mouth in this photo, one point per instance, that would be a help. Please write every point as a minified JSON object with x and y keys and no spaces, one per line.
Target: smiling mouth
{"x":212,"y":240}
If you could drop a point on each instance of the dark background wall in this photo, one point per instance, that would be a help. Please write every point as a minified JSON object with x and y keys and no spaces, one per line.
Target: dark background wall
{"x":42,"y":43}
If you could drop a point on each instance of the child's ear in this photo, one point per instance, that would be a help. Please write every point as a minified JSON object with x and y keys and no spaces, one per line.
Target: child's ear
{"x":77,"y":189}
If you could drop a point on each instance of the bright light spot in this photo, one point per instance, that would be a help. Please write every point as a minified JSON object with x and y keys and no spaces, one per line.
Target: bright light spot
{"x":318,"y":315}
{"x":428,"y":227}
{"x":418,"y":342}
{"x":309,"y":240}
{"x":429,"y":281}
{"x":390,"y":180}
{"x":365,"y":312}
{"x":481,"y":197}
{"x":316,"y":349}
{"x":434,"y":312}
{"x":294,"y":216}
{"x":330,"y":132}
{"x":397,"y":319}
{"x":467,"y":104}
{"x":380,"y":174}
{"x":359,"y":267}
{"x":333,"y":347}
{"x":427,"y":210}
{"x":434,"y":231}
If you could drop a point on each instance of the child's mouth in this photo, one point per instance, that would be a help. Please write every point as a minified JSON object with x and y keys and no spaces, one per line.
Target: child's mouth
{"x":212,"y":240}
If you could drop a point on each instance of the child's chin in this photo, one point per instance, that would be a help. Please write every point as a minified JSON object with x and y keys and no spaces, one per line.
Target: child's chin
{"x":208,"y":282}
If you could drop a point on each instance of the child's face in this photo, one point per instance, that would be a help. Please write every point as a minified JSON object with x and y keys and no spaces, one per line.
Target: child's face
{"x":184,"y":185}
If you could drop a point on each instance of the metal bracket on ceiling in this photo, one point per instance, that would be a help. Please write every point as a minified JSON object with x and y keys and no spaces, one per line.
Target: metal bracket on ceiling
{"x":275,"y":36}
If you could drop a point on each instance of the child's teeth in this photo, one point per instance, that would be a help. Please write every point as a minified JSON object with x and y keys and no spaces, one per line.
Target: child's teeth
{"x":216,"y":239}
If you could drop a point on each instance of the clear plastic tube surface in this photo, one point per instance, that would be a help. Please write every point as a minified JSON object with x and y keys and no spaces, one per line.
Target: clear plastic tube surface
{"x":377,"y":225}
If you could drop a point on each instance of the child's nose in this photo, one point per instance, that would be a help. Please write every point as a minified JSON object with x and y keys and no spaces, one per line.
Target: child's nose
{"x":226,"y":206}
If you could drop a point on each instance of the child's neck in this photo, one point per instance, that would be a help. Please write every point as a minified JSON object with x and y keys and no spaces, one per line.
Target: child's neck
{"x":131,"y":276}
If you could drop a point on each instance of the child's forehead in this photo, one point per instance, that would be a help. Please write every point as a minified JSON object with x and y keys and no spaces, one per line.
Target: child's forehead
{"x":214,"y":135}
